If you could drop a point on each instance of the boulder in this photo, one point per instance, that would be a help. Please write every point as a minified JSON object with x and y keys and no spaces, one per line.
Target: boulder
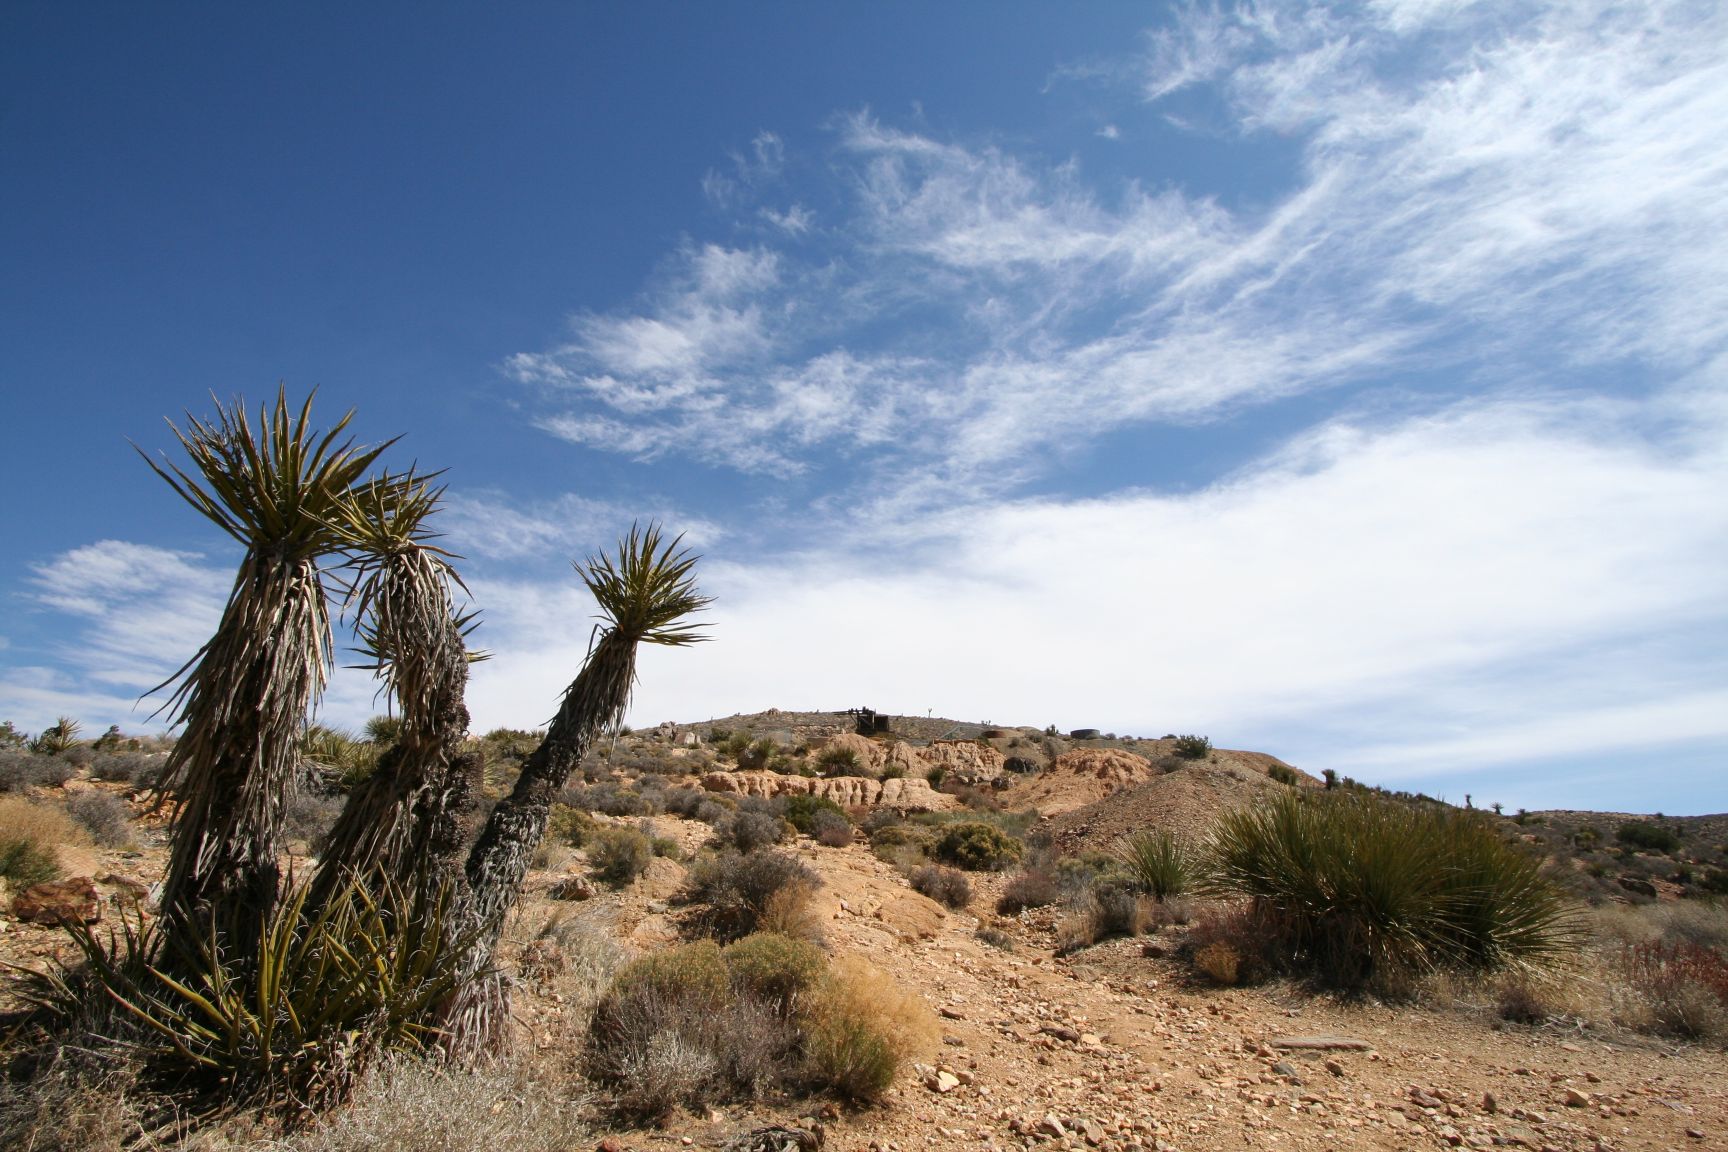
{"x":59,"y":902}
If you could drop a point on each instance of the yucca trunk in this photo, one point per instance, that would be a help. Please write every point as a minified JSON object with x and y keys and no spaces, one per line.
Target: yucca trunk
{"x":399,"y":823}
{"x":499,"y":860}
{"x":233,"y":770}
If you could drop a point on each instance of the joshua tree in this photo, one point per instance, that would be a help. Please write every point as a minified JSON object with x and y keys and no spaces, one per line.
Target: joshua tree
{"x":244,"y":697}
{"x":644,"y":596}
{"x":401,"y":824}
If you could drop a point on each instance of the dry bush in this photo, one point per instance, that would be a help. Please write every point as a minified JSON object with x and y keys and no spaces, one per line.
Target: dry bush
{"x":946,"y":886}
{"x":1033,"y":888}
{"x":747,"y":831}
{"x":29,"y":835}
{"x":20,"y":770}
{"x":792,"y":912}
{"x":861,"y":1027}
{"x":1220,"y":962}
{"x":674,"y":1029}
{"x":832,"y":829}
{"x":574,"y":956}
{"x":620,"y":855}
{"x":776,"y":969}
{"x":737,"y":889}
{"x":135,"y":768}
{"x":414,"y":1104}
{"x":1678,"y":989}
{"x":1253,"y":934}
{"x":104,"y":815}
{"x":1076,"y":930}
{"x":1117,"y":910}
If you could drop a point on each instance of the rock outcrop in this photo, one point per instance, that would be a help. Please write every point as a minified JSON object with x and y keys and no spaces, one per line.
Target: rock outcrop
{"x":903,"y":795}
{"x":966,"y":760}
{"x":59,"y":902}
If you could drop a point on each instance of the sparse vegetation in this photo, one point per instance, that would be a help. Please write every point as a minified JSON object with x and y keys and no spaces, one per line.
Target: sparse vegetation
{"x":738,"y":890}
{"x":620,"y":855}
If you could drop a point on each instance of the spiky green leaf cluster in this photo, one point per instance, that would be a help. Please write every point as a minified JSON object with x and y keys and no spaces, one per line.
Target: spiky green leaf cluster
{"x":648,"y":590}
{"x":1158,"y":863}
{"x":1369,"y":890}
{"x":294,"y":1016}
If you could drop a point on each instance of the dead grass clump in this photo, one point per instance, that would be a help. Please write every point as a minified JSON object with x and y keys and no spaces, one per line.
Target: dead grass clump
{"x":573,"y":956}
{"x":1521,"y":1000}
{"x":1219,"y":962}
{"x":71,"y":1105}
{"x":861,"y":1028}
{"x":410,"y":1103}
{"x":29,"y":835}
{"x":1678,"y":989}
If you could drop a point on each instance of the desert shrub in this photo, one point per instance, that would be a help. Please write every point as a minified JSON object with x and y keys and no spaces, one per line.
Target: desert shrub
{"x":29,"y":834}
{"x":1116,"y":910}
{"x":801,"y":811}
{"x":774,"y":968}
{"x":104,"y":816}
{"x":1647,"y":836}
{"x":1032,"y":888}
{"x":573,"y":954}
{"x":1076,"y":876}
{"x":1520,"y":1000}
{"x":1192,"y":747}
{"x":748,"y":831}
{"x":736,"y":744}
{"x":310,"y":815}
{"x":1245,"y":942}
{"x":567,"y":825}
{"x":838,"y":760}
{"x":920,"y":838}
{"x":995,"y":937}
{"x":135,"y":768}
{"x":860,"y":1028}
{"x":684,"y":802}
{"x":1282,"y":774}
{"x":977,"y":847}
{"x":1370,"y":890}
{"x":879,"y":818}
{"x":943,"y":885}
{"x":620,"y":855}
{"x":1157,"y":863}
{"x":831,"y":829}
{"x":737,"y":889}
{"x":1678,"y":988}
{"x":21,"y":769}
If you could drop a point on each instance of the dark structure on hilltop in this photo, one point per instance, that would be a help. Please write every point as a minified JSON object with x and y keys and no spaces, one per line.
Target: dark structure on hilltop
{"x":870,"y":722}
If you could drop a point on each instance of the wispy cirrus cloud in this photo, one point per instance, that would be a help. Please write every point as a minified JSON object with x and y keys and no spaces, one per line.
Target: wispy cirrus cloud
{"x":1510,"y":198}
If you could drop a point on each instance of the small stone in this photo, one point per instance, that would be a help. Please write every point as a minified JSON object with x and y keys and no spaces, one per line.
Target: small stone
{"x":1050,"y":1126}
{"x":59,"y":902}
{"x":942,"y":1082}
{"x":948,"y":1013}
{"x":1335,"y":1066}
{"x":1695,"y":1133}
{"x":1283,"y":1069}
{"x":1092,"y":1131}
{"x":1489,"y":1104}
{"x":1576,"y":1099}
{"x":1592,"y":1077}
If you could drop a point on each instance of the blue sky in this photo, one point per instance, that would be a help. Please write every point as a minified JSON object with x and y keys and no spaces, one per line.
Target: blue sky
{"x":1344,"y":382}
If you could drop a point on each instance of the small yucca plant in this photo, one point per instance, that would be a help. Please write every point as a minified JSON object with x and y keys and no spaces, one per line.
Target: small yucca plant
{"x":292,"y":1021}
{"x":1158,"y":863}
{"x":1366,"y":890}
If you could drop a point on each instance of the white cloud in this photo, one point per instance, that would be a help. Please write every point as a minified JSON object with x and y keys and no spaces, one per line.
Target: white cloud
{"x":1512,"y":197}
{"x":1466,"y":573}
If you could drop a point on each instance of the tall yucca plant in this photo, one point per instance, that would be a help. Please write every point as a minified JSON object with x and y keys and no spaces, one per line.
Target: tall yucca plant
{"x":244,"y":697}
{"x":399,"y":824}
{"x":645,"y":595}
